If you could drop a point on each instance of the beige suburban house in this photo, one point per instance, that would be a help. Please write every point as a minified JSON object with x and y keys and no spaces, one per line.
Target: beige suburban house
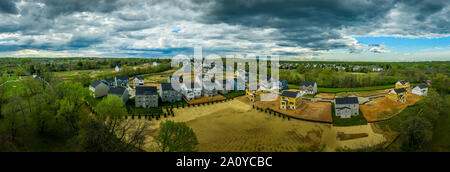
{"x":98,"y":89}
{"x":308,"y":87}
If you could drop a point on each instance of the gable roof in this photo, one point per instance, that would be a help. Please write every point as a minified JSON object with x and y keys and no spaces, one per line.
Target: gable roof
{"x":307,"y":84}
{"x":347,"y":100}
{"x":117,"y":91}
{"x":108,"y":80}
{"x":291,"y":94}
{"x":146,"y":90}
{"x":399,"y":90}
{"x":403,"y":82}
{"x":139,"y":77}
{"x":166,"y":87}
{"x":95,"y":83}
{"x":122,"y":78}
{"x":422,"y":86}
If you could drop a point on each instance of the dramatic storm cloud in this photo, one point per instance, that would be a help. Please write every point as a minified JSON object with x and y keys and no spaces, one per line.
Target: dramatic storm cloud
{"x":297,"y":29}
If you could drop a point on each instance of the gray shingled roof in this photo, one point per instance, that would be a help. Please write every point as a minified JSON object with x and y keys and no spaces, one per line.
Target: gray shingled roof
{"x":122,"y":77}
{"x":193,"y":85}
{"x":95,"y":83}
{"x":400,"y":90}
{"x":403,"y":82}
{"x":139,"y":77}
{"x":166,"y":86}
{"x":306,"y":83}
{"x":422,"y":86}
{"x":116,"y":91}
{"x":109,"y":80}
{"x":291,"y":94}
{"x":146,"y":90}
{"x":347,"y":100}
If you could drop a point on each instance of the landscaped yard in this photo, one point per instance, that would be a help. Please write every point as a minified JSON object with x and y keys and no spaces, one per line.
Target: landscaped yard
{"x":234,"y":94}
{"x":353,"y":121}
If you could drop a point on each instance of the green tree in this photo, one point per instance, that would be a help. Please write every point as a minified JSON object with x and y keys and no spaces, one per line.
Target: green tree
{"x":176,"y":137}
{"x":417,"y":131}
{"x":441,"y":83}
{"x":109,"y":131}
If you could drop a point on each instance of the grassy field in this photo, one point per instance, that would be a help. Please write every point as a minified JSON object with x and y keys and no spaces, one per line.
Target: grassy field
{"x":339,"y":90}
{"x":70,"y":75}
{"x":395,"y":124}
{"x":234,"y":94}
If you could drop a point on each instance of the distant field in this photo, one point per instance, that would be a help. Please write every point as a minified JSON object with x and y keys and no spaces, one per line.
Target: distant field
{"x":69,"y":75}
{"x":339,"y":90}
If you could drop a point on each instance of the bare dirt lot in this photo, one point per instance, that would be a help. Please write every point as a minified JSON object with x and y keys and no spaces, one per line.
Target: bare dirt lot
{"x":206,"y":99}
{"x":234,"y":126}
{"x":318,"y":111}
{"x":363,"y":93}
{"x":385,"y":108}
{"x":325,"y":95}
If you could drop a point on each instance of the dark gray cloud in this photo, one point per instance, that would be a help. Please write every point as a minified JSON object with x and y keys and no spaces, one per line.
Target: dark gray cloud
{"x":313,"y":24}
{"x":8,"y":6}
{"x":284,"y":27}
{"x":55,"y":8}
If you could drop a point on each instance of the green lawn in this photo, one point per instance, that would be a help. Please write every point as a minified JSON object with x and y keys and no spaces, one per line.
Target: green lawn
{"x":13,"y":87}
{"x":395,"y":124}
{"x":234,"y":94}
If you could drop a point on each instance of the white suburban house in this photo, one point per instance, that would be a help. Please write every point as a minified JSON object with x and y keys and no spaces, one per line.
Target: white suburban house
{"x":120,"y":92}
{"x":346,"y":107}
{"x":146,"y":96}
{"x":138,"y":80}
{"x":420,"y":90}
{"x":209,"y":89}
{"x":117,"y":68}
{"x":239,"y":86}
{"x":226,"y":83}
{"x":98,"y":89}
{"x":308,"y":87}
{"x":168,"y":94}
{"x":191,"y":90}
